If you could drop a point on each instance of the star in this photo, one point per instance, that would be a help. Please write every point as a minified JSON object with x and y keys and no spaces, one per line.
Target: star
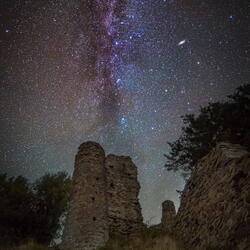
{"x":231,"y":17}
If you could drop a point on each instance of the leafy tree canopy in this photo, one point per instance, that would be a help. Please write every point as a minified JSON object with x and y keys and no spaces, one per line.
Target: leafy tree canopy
{"x":219,"y":121}
{"x":32,"y":210}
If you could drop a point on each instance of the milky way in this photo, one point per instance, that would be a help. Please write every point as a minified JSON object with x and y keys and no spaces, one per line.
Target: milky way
{"x":102,"y":27}
{"x":117,"y":72}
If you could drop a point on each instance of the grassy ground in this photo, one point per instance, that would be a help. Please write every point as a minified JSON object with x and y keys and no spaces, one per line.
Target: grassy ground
{"x":153,"y":238}
{"x":149,"y":239}
{"x":29,"y":246}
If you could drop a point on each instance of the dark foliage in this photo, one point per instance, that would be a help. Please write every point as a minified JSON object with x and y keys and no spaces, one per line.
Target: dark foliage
{"x":220,"y":121}
{"x":51,"y":195}
{"x":32,"y":211}
{"x":16,"y":212}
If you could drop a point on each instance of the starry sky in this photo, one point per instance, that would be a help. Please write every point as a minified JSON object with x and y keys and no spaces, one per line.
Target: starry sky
{"x":119,"y":72}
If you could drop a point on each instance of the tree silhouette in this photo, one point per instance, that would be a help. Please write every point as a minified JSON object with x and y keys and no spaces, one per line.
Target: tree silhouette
{"x":220,"y":121}
{"x":32,"y":211}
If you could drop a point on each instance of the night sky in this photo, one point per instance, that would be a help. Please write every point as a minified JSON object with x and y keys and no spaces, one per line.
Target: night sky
{"x":119,"y":72}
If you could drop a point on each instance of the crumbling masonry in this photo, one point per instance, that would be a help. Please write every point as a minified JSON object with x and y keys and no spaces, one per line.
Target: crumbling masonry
{"x":104,"y":199}
{"x":168,"y":215}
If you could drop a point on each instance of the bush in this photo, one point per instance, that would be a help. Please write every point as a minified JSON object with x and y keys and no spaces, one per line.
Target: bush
{"x":32,"y":211}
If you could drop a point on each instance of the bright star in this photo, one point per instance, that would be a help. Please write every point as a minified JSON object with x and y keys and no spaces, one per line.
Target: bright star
{"x":123,"y":120}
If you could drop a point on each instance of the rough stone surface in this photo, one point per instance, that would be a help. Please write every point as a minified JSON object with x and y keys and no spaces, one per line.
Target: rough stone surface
{"x":104,"y":199}
{"x":168,"y":215}
{"x":215,"y":204}
{"x":87,"y":223}
{"x":124,"y":210}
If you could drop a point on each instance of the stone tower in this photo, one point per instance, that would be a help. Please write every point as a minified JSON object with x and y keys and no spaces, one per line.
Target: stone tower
{"x":168,"y":214}
{"x":87,"y":222}
{"x":124,"y":211}
{"x":104,"y":199}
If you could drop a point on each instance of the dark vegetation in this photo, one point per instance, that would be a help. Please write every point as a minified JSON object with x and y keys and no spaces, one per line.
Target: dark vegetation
{"x":151,"y":238}
{"x":32,"y":211}
{"x":31,"y":245}
{"x":219,"y":121}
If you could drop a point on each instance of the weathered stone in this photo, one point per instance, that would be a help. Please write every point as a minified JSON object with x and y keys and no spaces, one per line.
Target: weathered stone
{"x":215,"y":209}
{"x":104,"y":199}
{"x":87,"y":222}
{"x":124,"y":210}
{"x":168,"y":215}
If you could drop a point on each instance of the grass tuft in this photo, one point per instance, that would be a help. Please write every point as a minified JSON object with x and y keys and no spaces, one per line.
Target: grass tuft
{"x":153,"y":238}
{"x":31,"y":245}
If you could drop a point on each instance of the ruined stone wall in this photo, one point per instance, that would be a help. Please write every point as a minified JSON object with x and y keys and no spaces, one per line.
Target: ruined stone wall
{"x":104,"y":199}
{"x":168,"y":215}
{"x":124,"y":210}
{"x":215,"y":205}
{"x":87,"y":222}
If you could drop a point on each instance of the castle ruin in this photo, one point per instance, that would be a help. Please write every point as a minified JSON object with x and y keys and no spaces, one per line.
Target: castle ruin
{"x":168,"y":214}
{"x":104,"y":199}
{"x":215,"y":204}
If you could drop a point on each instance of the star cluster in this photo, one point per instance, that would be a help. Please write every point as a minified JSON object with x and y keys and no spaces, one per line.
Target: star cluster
{"x":119,"y":72}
